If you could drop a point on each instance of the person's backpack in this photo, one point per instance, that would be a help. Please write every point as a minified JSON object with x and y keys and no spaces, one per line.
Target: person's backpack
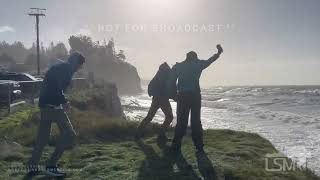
{"x":152,"y":87}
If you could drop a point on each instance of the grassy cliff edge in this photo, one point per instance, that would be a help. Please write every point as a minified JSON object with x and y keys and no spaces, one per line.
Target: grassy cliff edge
{"x":106,"y":149}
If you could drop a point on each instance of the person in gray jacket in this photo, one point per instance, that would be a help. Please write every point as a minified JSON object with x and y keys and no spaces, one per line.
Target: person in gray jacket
{"x":53,"y":107}
{"x":185,"y":79}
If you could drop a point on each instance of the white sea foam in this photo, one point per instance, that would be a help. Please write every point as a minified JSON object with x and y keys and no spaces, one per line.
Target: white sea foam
{"x":286,"y":115}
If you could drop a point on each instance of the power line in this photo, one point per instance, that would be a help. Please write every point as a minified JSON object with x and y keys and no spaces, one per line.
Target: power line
{"x":37,"y":12}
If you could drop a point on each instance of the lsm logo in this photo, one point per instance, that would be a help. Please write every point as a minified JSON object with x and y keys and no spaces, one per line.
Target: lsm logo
{"x":279,"y":162}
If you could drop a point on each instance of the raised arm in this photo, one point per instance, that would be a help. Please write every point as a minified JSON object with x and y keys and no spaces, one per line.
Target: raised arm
{"x":206,"y":63}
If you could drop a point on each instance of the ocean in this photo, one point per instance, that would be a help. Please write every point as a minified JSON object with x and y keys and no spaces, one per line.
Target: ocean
{"x":288,"y":116}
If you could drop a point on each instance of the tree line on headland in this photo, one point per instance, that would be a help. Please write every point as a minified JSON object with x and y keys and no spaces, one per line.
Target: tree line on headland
{"x":103,"y":61}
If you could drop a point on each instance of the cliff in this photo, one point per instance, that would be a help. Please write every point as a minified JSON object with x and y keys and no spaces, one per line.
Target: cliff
{"x":106,"y":148}
{"x":106,"y":64}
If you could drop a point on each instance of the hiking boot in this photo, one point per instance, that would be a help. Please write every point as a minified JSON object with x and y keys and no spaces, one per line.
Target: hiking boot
{"x":53,"y":171}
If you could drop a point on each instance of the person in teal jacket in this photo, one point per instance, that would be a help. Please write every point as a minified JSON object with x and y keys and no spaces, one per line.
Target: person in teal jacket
{"x":188,"y":73}
{"x":158,"y":89}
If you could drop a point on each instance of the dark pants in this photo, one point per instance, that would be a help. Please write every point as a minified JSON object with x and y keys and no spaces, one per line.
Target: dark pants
{"x":165,"y":106}
{"x":188,"y":102}
{"x":65,"y":141}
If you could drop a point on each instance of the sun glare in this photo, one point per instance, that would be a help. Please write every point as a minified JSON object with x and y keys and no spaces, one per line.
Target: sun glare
{"x":157,"y":6}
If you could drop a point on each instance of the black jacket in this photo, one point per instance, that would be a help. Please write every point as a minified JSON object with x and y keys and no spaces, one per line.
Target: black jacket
{"x":158,"y":86}
{"x":56,"y":81}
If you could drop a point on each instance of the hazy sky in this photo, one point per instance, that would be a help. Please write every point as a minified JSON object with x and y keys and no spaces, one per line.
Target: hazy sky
{"x":265,"y":41}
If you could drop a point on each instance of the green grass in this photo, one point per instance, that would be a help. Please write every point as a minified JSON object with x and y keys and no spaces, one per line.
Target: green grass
{"x":145,"y":160}
{"x":97,"y":98}
{"x":106,"y":149}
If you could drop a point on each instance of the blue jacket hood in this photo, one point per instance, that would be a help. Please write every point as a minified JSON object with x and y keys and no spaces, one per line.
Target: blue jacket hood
{"x":74,"y":60}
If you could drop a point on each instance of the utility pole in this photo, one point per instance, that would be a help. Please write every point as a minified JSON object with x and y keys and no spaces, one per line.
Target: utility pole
{"x":37,"y":12}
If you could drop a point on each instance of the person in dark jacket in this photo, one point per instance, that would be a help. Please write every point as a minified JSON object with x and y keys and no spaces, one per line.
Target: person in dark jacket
{"x":157,"y":88}
{"x":53,"y":107}
{"x":188,"y":74}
